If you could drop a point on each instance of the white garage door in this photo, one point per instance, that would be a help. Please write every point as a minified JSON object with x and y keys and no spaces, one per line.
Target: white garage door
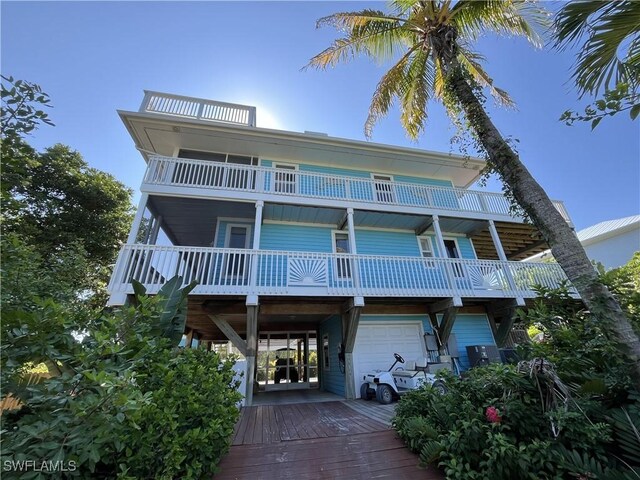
{"x":376,"y":342}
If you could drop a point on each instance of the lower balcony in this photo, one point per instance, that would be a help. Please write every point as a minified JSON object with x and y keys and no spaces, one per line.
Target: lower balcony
{"x":221,"y":271}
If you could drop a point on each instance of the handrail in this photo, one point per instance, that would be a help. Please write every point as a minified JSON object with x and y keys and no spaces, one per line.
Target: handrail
{"x":198,"y":108}
{"x":222,"y":271}
{"x":208,"y":174}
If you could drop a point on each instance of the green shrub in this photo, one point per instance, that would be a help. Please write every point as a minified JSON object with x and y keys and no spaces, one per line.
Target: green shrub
{"x":123,"y":402}
{"x":189,"y":422}
{"x":500,"y":423}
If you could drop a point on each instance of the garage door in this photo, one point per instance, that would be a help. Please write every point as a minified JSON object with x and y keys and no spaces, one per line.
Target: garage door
{"x":376,"y":343}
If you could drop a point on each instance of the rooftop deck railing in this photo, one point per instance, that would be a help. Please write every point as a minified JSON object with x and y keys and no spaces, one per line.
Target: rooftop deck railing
{"x":200,"y":174}
{"x":198,"y":108}
{"x":267,"y":272}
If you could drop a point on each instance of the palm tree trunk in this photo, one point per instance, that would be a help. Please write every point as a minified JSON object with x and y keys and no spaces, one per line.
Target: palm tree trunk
{"x":564,"y":243}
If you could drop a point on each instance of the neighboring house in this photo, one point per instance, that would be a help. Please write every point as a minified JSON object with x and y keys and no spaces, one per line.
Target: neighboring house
{"x":611,"y":243}
{"x":320,"y":257}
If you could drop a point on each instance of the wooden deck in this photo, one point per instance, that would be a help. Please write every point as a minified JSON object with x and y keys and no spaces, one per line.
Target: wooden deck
{"x":327,"y":440}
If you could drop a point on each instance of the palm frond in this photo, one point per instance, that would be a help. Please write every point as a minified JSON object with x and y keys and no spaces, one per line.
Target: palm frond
{"x":389,"y":87}
{"x":471,"y":62}
{"x":504,"y":17}
{"x":368,"y":31}
{"x":572,"y":21}
{"x":419,"y":83}
{"x":608,"y":30}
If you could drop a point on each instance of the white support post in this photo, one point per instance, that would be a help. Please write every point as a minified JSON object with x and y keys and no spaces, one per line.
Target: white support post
{"x":503,"y":257}
{"x":252,"y":298}
{"x":137,"y":220}
{"x":355,"y":271}
{"x":153,"y":236}
{"x":443,"y":254}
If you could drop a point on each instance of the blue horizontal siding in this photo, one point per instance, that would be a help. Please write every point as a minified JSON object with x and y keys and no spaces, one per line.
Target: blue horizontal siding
{"x":470,"y":329}
{"x":276,"y":236}
{"x":390,"y":243}
{"x":332,"y":378}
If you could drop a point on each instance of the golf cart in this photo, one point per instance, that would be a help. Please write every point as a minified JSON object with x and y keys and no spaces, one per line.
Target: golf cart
{"x":389,"y":385}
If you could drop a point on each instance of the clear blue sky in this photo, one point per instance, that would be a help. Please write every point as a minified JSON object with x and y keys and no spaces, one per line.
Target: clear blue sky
{"x":96,"y":57}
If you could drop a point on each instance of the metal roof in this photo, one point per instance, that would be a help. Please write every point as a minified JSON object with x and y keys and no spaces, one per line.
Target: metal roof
{"x":608,"y":228}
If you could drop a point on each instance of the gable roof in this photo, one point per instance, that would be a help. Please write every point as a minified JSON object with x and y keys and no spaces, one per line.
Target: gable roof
{"x":607,"y":229}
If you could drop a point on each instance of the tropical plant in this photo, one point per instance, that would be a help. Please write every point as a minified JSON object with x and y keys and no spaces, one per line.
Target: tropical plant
{"x":496,"y":423}
{"x":435,"y":38}
{"x":607,"y":34}
{"x":118,"y":399}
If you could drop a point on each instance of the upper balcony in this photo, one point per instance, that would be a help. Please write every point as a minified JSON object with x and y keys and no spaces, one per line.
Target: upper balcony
{"x":198,"y":108}
{"x":207,"y":179}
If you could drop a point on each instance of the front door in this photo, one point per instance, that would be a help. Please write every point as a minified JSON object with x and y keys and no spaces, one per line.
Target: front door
{"x":287,"y":360}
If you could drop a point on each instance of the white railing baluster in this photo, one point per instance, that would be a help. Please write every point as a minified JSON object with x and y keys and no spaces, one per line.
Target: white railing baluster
{"x":225,"y":271}
{"x":203,"y":173}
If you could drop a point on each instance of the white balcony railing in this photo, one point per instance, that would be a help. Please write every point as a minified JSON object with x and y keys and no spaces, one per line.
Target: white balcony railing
{"x":180,"y":172}
{"x":261,"y":272}
{"x":198,"y":108}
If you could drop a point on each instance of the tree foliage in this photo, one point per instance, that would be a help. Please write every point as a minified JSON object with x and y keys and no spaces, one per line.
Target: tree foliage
{"x":53,"y":200}
{"x":607,"y":35}
{"x":119,"y":398}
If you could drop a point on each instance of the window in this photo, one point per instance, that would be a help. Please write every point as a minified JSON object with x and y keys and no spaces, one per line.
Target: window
{"x":341,"y":245}
{"x":325,"y":352}
{"x":237,"y":237}
{"x":384,"y":188}
{"x":286,"y":178}
{"x":425,"y":247}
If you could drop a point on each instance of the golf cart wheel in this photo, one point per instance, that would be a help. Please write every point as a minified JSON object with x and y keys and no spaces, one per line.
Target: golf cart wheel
{"x":440,"y":387}
{"x":384,"y":394}
{"x":364,"y":391}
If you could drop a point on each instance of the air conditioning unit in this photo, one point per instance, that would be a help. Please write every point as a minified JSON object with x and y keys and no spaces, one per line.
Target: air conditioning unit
{"x":483,"y":355}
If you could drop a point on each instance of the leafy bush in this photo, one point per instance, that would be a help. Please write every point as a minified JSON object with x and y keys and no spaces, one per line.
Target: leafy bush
{"x":498,"y":423}
{"x":121,"y":398}
{"x":190,"y":421}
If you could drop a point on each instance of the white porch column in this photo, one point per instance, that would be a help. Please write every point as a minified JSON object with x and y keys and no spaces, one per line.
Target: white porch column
{"x":503,"y":257}
{"x":153,"y":235}
{"x":137,"y":220}
{"x":443,"y":254}
{"x":358,"y":299}
{"x":252,"y":298}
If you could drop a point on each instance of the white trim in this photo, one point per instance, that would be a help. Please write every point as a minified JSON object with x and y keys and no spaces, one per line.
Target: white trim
{"x":326,"y":359}
{"x":346,"y":263}
{"x":391,"y":192}
{"x":473,"y":248}
{"x":455,"y":240}
{"x":430,"y":244}
{"x":227,"y":234}
{"x":390,"y":179}
{"x":274,"y":164}
{"x":229,"y":220}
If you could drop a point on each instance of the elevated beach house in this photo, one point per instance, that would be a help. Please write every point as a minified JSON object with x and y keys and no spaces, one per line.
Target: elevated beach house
{"x":319,"y":257}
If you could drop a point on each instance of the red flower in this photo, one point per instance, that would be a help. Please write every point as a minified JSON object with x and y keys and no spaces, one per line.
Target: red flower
{"x":493,"y":415}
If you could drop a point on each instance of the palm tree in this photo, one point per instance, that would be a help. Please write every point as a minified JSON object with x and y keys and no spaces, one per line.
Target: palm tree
{"x":433,"y":39}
